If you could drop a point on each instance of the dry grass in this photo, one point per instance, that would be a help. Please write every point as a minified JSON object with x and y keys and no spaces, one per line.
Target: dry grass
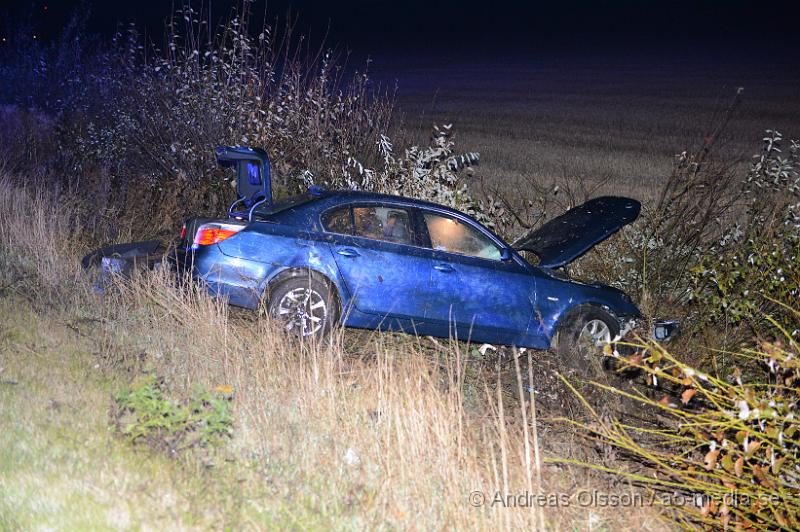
{"x":383,"y":431}
{"x":39,"y":250}
{"x":62,"y":469}
{"x":386,"y":431}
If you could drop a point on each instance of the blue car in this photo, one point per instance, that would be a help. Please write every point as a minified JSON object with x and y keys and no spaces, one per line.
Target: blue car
{"x":375,"y":261}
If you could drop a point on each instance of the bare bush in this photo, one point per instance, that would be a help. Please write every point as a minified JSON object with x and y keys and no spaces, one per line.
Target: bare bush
{"x":136,"y":126}
{"x":717,"y":245}
{"x":727,"y":444}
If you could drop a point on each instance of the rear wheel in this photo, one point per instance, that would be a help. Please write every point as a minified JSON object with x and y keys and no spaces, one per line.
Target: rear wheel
{"x":581,"y":338}
{"x":305,"y":306}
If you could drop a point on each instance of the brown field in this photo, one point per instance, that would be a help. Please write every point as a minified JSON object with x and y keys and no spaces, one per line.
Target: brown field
{"x":605,"y":122}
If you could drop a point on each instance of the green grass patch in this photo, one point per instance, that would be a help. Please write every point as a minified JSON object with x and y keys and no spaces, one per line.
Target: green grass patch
{"x":142,"y":413}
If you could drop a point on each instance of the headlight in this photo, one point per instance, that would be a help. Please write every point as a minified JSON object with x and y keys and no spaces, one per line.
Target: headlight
{"x":664,"y":330}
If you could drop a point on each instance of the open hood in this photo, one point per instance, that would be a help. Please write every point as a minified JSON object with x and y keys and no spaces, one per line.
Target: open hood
{"x":253,"y":180}
{"x":567,"y":237}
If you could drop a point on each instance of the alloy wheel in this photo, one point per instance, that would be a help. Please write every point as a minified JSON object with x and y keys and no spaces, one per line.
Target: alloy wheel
{"x":595,"y":332}
{"x":303,"y":310}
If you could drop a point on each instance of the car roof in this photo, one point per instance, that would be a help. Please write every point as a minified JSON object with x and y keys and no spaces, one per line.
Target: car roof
{"x":324,"y":200}
{"x":343,"y":197}
{"x":347,"y":197}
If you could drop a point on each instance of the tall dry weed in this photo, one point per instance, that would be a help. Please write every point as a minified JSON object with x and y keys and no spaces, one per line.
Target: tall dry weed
{"x":40,"y":242}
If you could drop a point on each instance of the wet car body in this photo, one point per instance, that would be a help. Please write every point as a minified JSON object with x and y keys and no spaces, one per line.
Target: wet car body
{"x":395,"y":263}
{"x":410,"y":287}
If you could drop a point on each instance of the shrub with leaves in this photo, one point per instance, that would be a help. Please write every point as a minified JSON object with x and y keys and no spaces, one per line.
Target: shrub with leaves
{"x":717,"y":243}
{"x":135,"y":127}
{"x":743,"y":283}
{"x":433,"y":173}
{"x":142,"y":414}
{"x":754,"y":270}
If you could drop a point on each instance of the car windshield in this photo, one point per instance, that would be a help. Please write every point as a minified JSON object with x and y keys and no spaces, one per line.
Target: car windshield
{"x":285,"y":204}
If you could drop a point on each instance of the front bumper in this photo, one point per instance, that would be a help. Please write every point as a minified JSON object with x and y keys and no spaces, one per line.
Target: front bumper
{"x":660,"y":331}
{"x":665,"y":330}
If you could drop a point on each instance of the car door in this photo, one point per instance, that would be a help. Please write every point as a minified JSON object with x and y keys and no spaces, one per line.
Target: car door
{"x":471,"y":287}
{"x":376,"y":250}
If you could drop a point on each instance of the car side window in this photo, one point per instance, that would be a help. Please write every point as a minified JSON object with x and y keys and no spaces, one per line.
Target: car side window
{"x":453,"y":236}
{"x":389,"y":224}
{"x":338,"y":221}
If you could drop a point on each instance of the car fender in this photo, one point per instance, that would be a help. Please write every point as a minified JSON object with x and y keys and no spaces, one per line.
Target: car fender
{"x":301,"y":271}
{"x":282,"y":250}
{"x":557,"y":298}
{"x":317,"y":258}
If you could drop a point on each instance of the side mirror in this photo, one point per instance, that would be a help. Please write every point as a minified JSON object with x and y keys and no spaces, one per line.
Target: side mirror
{"x":505,"y":254}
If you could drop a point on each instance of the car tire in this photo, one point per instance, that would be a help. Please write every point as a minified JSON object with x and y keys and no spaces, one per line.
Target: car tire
{"x":305,"y":306}
{"x":581,"y":337}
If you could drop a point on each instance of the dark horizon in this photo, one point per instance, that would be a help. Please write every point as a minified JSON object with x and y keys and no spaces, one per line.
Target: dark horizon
{"x":379,"y":27}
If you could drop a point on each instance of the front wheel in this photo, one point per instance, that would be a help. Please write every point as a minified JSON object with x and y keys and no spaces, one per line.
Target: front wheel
{"x":581,"y":338}
{"x":305,"y":306}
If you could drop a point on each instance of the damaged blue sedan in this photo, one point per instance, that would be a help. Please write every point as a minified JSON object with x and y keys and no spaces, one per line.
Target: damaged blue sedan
{"x":383,"y":262}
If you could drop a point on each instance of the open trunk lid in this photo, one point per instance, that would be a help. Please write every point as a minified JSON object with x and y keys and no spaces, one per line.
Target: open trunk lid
{"x":567,"y":237}
{"x":253,"y":176}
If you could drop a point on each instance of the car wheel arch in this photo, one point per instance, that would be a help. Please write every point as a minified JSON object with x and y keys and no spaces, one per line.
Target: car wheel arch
{"x":294,"y":272}
{"x":574,"y":310}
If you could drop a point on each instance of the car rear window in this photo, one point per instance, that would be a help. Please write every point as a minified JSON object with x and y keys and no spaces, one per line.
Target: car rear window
{"x":285,"y":204}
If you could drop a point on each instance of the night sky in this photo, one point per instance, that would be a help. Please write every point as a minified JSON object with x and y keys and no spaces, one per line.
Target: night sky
{"x":494,"y":26}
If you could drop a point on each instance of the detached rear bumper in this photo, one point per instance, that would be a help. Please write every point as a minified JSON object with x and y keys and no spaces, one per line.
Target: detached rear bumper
{"x":141,"y":252}
{"x":122,"y":260}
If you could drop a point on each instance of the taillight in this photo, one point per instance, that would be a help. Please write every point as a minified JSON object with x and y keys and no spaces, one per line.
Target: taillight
{"x":209,"y":234}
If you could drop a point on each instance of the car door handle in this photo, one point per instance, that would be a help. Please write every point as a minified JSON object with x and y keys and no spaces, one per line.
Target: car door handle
{"x":445,"y":268}
{"x":347,"y":252}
